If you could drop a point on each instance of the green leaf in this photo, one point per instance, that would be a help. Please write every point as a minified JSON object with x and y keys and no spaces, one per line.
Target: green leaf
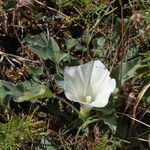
{"x":53,"y":45}
{"x":47,"y":144}
{"x":2,"y":91}
{"x":110,"y":120}
{"x":37,"y":92}
{"x":54,"y":53}
{"x":37,"y":71}
{"x":8,"y":91}
{"x":8,"y":88}
{"x":6,"y":101}
{"x":98,"y":46}
{"x":38,"y":50}
{"x":71,"y":42}
{"x":126,"y":70}
{"x":133,"y":51}
{"x":123,"y":128}
{"x":101,"y":42}
{"x":33,"y":91}
{"x":27,"y":90}
{"x":45,"y":48}
{"x":59,"y":80}
{"x":86,"y":37}
{"x":37,"y":44}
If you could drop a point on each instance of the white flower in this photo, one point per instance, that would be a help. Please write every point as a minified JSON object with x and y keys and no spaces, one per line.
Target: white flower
{"x":89,"y":84}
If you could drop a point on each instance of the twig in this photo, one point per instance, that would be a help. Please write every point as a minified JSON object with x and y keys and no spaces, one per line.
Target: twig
{"x":13,"y":21}
{"x":10,"y":62}
{"x":50,"y":8}
{"x":121,"y":44}
{"x":1,"y":59}
{"x":18,"y":57}
{"x":144,"y":140}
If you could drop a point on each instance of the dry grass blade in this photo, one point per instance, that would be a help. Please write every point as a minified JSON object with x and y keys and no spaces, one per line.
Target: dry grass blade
{"x":147,"y":125}
{"x":139,"y":97}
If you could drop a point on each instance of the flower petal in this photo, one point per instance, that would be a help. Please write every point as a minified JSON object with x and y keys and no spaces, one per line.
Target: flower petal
{"x":86,"y":70}
{"x":77,"y":79}
{"x":103,"y":97}
{"x":73,"y":82}
{"x":70,"y":91}
{"x":99,"y":77}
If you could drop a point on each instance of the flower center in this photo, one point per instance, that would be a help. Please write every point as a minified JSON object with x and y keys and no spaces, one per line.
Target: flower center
{"x":88,"y":98}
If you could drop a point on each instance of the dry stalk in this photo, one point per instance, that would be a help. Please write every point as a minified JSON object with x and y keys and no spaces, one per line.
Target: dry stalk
{"x":138,"y":99}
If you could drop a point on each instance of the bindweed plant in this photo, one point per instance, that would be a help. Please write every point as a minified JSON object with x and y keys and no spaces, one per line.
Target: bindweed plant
{"x":84,"y":64}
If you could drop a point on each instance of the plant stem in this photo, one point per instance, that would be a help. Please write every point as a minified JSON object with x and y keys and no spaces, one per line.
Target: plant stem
{"x":84,"y":111}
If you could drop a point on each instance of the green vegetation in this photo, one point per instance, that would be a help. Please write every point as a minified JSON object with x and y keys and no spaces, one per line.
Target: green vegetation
{"x":18,"y":131}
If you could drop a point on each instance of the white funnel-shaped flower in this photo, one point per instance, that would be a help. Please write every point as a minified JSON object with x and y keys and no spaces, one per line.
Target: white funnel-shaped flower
{"x":89,"y":84}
